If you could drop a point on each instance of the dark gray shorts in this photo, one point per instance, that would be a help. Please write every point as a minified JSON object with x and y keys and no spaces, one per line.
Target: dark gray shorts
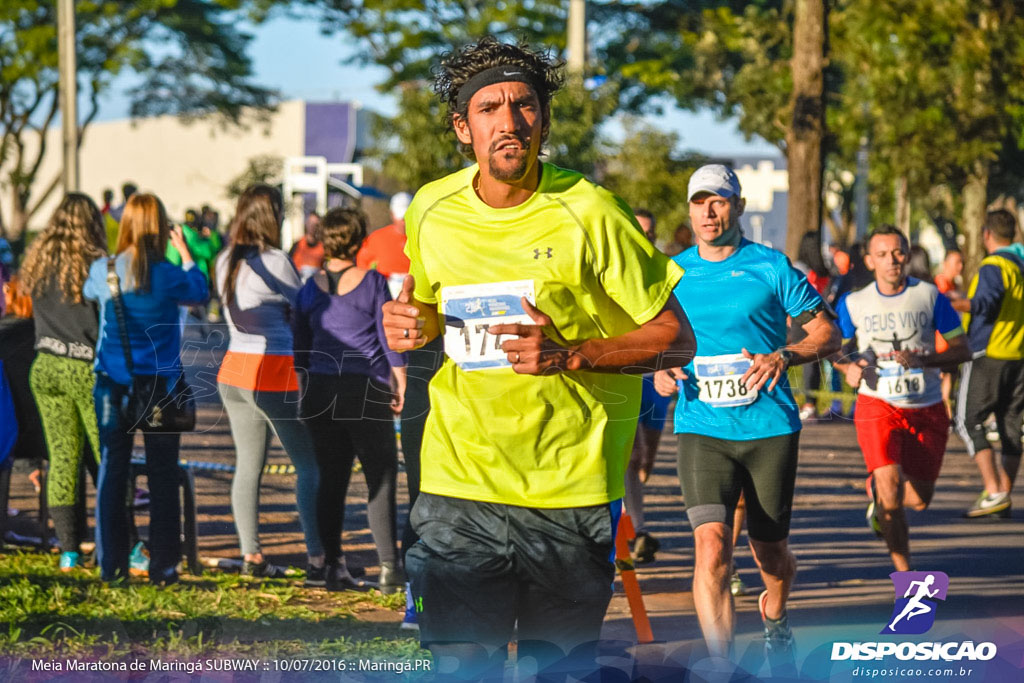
{"x":989,"y":385}
{"x":478,"y":568}
{"x":713,"y":472}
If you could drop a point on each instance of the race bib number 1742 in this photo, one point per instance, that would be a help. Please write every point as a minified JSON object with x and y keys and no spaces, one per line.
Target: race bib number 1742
{"x":470,"y":310}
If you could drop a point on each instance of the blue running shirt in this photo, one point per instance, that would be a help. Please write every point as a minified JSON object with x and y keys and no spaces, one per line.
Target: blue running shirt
{"x":735,"y":304}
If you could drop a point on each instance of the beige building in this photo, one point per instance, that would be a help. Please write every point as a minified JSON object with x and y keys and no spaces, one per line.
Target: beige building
{"x":191,"y":163}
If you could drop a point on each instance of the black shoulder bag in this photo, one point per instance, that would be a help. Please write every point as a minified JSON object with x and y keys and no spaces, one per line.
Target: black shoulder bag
{"x":155,"y":403}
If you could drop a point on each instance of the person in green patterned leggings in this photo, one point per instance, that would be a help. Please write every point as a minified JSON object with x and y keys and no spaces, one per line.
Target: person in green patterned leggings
{"x":62,"y":379}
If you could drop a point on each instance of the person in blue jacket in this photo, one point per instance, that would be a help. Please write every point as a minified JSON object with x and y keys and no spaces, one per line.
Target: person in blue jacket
{"x":152,"y":289}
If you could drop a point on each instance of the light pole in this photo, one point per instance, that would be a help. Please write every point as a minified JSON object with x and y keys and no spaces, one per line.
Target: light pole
{"x":68,"y":90}
{"x":577,"y":39}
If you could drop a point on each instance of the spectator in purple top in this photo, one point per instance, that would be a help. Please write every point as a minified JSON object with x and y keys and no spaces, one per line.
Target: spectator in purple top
{"x":355,"y":385}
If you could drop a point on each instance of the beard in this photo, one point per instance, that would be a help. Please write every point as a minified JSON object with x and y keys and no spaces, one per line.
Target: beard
{"x":506,"y":167}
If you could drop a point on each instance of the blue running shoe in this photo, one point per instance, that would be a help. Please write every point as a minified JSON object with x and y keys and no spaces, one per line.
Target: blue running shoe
{"x":138,"y":561}
{"x":410,"y":622}
{"x":69,"y":560}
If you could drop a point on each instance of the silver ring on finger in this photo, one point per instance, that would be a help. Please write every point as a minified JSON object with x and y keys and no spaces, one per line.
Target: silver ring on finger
{"x":517,"y":358}
{"x":405,"y":333}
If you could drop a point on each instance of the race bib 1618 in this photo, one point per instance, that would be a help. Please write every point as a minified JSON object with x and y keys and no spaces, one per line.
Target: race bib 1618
{"x":896,"y":382}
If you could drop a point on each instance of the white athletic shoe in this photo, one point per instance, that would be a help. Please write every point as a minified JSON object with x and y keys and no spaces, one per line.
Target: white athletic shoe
{"x":990,"y":504}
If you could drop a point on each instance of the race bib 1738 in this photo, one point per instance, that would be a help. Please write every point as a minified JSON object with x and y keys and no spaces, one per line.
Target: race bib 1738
{"x":470,"y":310}
{"x":718,"y":378}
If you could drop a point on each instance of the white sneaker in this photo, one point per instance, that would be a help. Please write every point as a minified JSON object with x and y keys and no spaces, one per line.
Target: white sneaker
{"x":990,"y":504}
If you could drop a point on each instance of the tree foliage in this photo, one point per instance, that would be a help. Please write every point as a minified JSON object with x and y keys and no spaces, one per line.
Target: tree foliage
{"x":577,"y":112}
{"x":935,"y":86}
{"x":730,"y":57}
{"x":189,"y":56}
{"x":649,"y":171}
{"x":406,"y":37}
{"x":417,"y":145}
{"x":737,"y":59}
{"x":263,"y":168}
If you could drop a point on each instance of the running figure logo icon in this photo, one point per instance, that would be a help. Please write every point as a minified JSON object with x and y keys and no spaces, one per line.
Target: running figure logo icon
{"x":913,"y":612}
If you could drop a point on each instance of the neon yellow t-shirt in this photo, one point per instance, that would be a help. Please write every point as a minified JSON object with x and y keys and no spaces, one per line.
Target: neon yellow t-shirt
{"x":545,"y":442}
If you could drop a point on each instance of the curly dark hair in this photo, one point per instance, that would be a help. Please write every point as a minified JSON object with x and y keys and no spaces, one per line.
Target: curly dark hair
{"x":458,"y":66}
{"x":342,"y":231}
{"x":62,"y":254}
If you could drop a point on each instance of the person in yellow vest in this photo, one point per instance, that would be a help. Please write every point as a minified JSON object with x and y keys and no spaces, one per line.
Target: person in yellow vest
{"x":993,"y":382}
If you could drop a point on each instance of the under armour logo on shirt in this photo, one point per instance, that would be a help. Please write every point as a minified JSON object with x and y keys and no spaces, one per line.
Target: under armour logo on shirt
{"x":537,"y":253}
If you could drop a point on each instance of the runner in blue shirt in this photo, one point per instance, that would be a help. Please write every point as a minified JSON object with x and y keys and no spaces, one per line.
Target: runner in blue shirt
{"x":737,"y":422}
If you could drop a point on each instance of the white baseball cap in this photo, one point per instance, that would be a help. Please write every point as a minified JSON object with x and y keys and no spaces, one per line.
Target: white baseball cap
{"x":716,"y":179}
{"x":400,"y":204}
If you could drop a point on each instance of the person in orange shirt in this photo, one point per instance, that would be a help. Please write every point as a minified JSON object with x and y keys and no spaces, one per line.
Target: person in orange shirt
{"x":308,"y":253}
{"x":384,"y":249}
{"x":952,"y":268}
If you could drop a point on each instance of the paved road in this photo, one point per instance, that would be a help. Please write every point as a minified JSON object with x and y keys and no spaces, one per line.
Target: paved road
{"x":843,"y":591}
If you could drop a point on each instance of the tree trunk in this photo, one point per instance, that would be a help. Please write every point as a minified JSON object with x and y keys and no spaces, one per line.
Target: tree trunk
{"x":19,"y":215}
{"x":807,"y":129}
{"x":975,"y":206}
{"x":903,"y":206}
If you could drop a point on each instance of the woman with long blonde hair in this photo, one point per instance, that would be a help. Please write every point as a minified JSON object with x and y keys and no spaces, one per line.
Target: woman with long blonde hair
{"x":258,"y":386}
{"x":152,"y":289}
{"x":66,"y":326}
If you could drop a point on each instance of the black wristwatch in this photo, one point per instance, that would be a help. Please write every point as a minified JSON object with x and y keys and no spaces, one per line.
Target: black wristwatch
{"x":787,"y":358}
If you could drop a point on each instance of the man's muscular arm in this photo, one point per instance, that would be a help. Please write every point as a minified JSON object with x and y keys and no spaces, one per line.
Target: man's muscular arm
{"x":665,"y":341}
{"x":822,"y":340}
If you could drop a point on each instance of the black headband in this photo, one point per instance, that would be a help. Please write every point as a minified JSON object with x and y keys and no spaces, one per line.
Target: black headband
{"x":496,"y":74}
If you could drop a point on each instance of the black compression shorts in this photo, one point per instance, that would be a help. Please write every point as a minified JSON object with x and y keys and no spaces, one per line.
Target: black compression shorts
{"x":713,"y":472}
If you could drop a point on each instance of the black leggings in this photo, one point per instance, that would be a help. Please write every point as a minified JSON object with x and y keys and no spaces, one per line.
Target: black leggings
{"x":422,"y":366}
{"x":349,"y":416}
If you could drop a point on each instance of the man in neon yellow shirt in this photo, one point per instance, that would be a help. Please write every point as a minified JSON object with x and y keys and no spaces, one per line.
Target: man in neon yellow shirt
{"x":552,"y":303}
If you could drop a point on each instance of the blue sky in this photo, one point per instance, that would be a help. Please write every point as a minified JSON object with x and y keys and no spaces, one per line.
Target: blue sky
{"x":293,"y":57}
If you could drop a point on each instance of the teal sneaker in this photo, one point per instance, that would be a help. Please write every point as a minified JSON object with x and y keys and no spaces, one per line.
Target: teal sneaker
{"x":778,"y":638}
{"x":138,"y":561}
{"x":70,"y":560}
